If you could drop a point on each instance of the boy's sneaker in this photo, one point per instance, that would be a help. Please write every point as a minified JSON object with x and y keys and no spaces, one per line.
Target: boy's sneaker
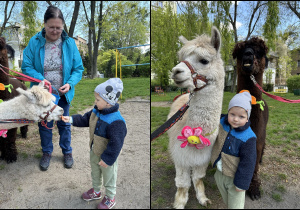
{"x":45,"y":161}
{"x":68,"y":159}
{"x":91,"y":195}
{"x":106,"y":203}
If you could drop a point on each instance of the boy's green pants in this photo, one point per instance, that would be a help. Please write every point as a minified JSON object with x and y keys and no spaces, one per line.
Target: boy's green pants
{"x":109,"y":175}
{"x":232,"y":198}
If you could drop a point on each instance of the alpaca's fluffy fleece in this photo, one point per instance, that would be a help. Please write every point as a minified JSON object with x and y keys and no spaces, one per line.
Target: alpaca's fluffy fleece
{"x":203,"y":53}
{"x":30,"y":104}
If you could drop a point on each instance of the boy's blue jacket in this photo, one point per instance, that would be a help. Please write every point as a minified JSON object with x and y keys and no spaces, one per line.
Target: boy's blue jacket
{"x":107,"y":131}
{"x":34,"y":55}
{"x":237,"y":149}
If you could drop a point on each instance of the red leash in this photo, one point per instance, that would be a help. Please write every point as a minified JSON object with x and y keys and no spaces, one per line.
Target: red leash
{"x":278,"y":98}
{"x":24,"y":76}
{"x":28,"y":79}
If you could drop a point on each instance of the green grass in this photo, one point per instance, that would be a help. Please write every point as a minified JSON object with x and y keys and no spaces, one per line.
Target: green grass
{"x":84,"y":91}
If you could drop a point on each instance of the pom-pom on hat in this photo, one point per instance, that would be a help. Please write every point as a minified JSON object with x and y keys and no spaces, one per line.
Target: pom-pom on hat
{"x":242,"y":99}
{"x":110,"y":90}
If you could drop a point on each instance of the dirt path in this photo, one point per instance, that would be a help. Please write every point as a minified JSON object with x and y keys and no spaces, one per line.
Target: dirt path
{"x":280,"y":184}
{"x":23,"y":185}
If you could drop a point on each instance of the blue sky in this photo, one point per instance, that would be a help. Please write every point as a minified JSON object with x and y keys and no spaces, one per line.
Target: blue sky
{"x":244,"y":16}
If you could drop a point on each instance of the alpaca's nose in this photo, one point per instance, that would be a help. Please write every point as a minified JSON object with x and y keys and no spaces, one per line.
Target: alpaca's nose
{"x":176,"y":71}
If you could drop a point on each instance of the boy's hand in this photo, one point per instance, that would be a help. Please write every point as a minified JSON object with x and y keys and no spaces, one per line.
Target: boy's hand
{"x":103,"y":164}
{"x":65,"y":118}
{"x":238,"y":189}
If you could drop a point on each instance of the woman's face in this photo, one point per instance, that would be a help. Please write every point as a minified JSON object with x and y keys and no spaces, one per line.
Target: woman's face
{"x":53,"y":27}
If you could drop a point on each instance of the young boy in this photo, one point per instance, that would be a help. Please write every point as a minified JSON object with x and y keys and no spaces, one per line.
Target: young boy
{"x":107,"y":132}
{"x":234,"y":152}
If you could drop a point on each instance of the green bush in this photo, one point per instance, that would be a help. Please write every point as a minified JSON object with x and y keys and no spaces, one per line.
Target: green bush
{"x":293,"y":83}
{"x":268,"y":87}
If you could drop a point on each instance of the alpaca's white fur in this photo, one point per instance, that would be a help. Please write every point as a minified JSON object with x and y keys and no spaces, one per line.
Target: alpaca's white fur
{"x":204,"y":111}
{"x":30,"y":104}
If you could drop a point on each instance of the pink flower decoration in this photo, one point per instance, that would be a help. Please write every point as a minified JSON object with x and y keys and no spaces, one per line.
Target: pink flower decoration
{"x":3,"y":133}
{"x":193,"y":138}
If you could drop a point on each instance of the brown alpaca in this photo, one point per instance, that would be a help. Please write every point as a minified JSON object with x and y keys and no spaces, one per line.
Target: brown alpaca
{"x":252,"y":60}
{"x":8,"y":145}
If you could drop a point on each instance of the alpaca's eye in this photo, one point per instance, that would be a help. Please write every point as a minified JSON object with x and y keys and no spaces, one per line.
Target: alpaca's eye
{"x":203,"y":61}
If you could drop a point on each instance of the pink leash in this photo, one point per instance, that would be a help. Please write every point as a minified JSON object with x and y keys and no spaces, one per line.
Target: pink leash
{"x":278,"y":98}
{"x":24,"y":76}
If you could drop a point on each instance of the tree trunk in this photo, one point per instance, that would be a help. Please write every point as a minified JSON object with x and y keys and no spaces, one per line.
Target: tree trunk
{"x":233,"y":80}
{"x":74,"y":18}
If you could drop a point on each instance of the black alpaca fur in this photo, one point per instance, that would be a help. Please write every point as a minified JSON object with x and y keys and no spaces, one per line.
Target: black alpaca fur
{"x":253,"y":52}
{"x":8,"y":145}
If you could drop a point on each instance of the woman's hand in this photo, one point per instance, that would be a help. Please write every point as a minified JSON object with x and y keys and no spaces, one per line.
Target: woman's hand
{"x":65,"y":88}
{"x":47,"y":83}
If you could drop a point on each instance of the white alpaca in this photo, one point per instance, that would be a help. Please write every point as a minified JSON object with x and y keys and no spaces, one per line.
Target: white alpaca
{"x":203,"y":53}
{"x":30,"y":104}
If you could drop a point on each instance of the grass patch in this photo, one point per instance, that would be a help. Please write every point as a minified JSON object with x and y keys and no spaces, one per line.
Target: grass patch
{"x":282,"y":176}
{"x":276,"y":197}
{"x":2,"y":167}
{"x":24,"y":155}
{"x":38,"y":156}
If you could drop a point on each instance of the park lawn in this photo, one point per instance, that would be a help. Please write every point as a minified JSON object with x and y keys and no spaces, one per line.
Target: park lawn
{"x":84,"y":91}
{"x":283,"y":143}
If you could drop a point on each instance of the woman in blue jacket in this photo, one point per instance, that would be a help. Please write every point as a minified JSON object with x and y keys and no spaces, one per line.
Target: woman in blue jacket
{"x":52,"y":56}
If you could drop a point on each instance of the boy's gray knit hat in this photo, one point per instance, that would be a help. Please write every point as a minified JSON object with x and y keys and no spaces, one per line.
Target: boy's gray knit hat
{"x":241,"y":100}
{"x":110,"y":90}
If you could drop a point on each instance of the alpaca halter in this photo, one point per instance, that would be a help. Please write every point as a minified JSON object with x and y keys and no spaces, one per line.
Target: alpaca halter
{"x":196,"y":76}
{"x":44,"y":120}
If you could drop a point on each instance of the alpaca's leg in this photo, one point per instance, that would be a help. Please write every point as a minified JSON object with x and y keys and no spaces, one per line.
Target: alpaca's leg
{"x":183,"y":183}
{"x":2,"y":148}
{"x":253,"y":190}
{"x":10,"y":150}
{"x":24,"y":131}
{"x":198,"y":173}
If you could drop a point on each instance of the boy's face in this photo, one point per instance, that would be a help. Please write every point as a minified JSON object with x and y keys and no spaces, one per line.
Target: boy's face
{"x":237,"y":117}
{"x":100,"y":102}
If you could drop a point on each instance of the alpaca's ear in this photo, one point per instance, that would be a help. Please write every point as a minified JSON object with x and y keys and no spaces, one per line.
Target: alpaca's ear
{"x":28,"y":94}
{"x":215,"y":38}
{"x":183,"y":39}
{"x":237,"y":49}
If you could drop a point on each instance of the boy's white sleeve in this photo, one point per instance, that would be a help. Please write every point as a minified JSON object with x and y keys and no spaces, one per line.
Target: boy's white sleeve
{"x":71,"y":120}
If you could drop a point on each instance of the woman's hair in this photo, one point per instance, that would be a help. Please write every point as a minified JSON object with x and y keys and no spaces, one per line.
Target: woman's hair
{"x":53,"y":12}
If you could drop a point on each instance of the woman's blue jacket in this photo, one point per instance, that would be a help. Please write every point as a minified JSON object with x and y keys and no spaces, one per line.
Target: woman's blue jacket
{"x":33,"y":61}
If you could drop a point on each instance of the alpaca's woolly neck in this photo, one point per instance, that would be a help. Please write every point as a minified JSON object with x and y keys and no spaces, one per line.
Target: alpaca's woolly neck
{"x":205,"y":109}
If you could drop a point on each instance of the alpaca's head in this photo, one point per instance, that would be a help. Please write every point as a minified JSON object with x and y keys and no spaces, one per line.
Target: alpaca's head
{"x":40,"y":101}
{"x":251,"y":56}
{"x":3,"y":53}
{"x":203,"y":53}
{"x":2,"y":43}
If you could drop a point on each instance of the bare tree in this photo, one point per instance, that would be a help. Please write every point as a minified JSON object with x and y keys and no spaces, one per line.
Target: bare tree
{"x":94,"y":35}
{"x":6,"y":17}
{"x":294,"y":6}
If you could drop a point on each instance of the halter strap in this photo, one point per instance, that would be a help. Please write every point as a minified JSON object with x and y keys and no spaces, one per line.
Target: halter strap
{"x":196,"y":76}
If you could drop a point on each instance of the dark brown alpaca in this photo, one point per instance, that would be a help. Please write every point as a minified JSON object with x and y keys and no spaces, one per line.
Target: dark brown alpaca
{"x":8,"y":145}
{"x":252,"y":60}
